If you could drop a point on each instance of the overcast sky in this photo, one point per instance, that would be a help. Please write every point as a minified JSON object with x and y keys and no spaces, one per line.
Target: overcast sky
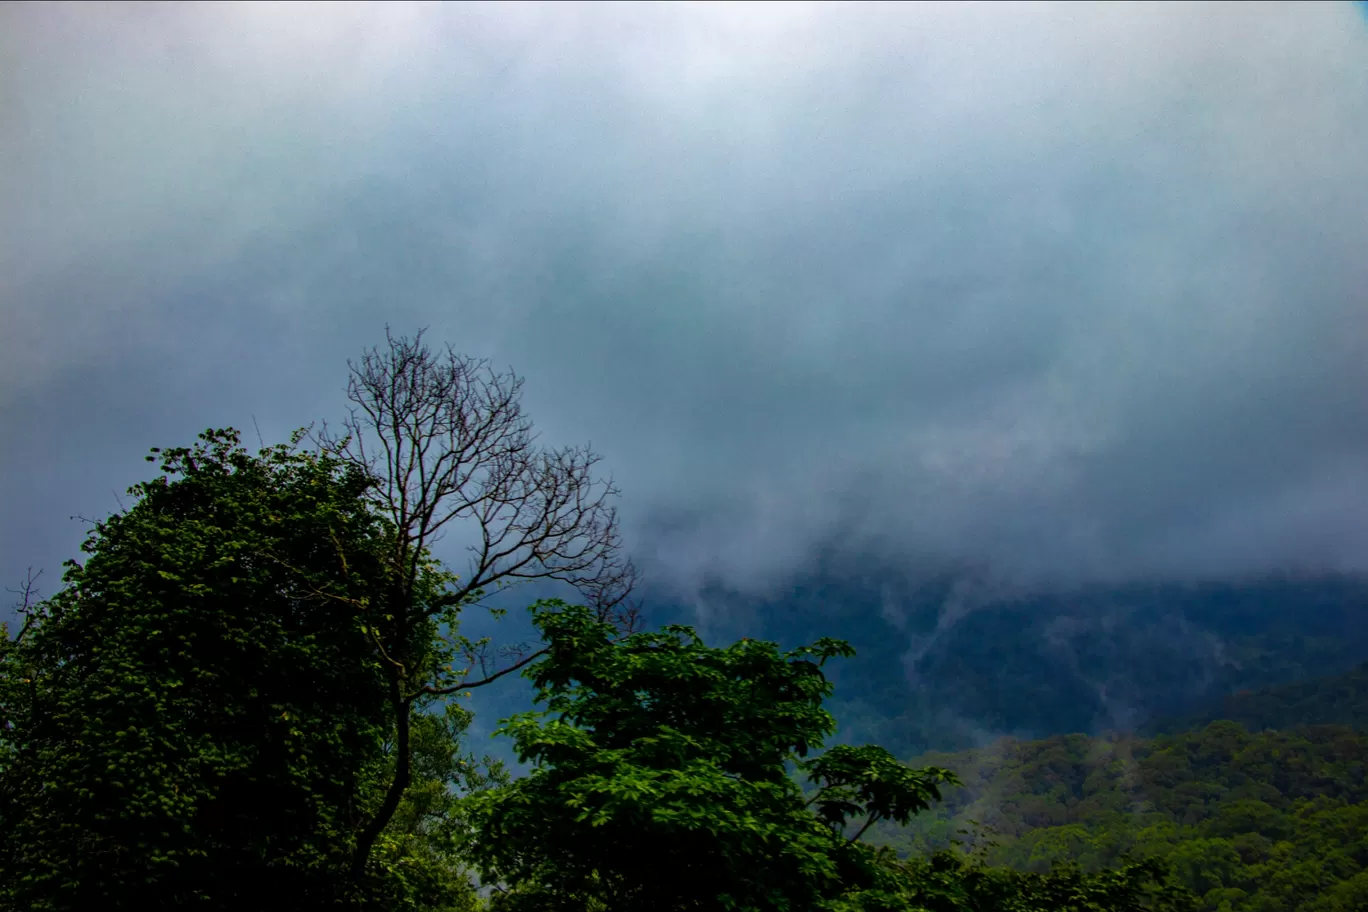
{"x":1061,"y":292}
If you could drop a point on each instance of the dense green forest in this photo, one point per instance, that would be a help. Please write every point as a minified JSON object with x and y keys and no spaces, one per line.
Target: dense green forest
{"x":1250,"y":822}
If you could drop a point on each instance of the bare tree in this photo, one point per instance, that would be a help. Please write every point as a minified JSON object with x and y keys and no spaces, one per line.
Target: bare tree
{"x":27,"y":605}
{"x":446,"y":441}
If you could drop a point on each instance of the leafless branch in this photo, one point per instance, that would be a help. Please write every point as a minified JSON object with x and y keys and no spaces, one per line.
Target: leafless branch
{"x":445,"y":438}
{"x":28,"y":601}
{"x":489,"y":677}
{"x":867,"y":824}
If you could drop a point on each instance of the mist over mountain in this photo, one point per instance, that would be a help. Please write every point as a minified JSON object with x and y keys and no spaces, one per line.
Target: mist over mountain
{"x":1060,"y":301}
{"x":948,"y":663}
{"x":1069,"y":291}
{"x":1022,"y":345}
{"x":1333,"y":699}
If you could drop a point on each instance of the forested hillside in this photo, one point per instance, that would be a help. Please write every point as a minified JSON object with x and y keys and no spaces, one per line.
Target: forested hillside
{"x":1330,"y":700}
{"x":1250,"y":822}
{"x":942,"y":665}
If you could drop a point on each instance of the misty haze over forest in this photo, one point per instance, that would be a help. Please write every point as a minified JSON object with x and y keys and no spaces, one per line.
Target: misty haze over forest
{"x":1018,"y":348}
{"x":938,"y":306}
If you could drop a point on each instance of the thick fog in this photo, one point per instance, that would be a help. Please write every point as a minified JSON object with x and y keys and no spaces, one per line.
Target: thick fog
{"x":1057,"y":292}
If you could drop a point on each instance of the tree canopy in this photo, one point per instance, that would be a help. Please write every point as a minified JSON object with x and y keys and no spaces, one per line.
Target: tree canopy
{"x":199,"y":718}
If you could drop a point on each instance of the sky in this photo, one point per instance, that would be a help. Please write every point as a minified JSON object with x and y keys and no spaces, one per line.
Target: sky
{"x":1058,"y":293}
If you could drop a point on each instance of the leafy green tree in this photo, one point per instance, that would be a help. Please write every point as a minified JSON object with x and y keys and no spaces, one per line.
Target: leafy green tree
{"x":1346,"y":896}
{"x":663,"y":780}
{"x":199,"y":719}
{"x":432,"y":441}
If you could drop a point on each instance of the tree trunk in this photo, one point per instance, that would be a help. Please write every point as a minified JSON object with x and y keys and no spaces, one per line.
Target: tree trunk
{"x":403,"y":772}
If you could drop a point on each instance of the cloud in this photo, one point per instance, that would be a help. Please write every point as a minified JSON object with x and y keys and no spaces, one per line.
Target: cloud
{"x":1064,"y":292}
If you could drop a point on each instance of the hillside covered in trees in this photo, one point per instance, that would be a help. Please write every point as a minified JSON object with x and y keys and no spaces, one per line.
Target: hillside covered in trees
{"x":942,"y":666}
{"x":203,"y":717}
{"x":1271,"y":821}
{"x":1328,"y":700}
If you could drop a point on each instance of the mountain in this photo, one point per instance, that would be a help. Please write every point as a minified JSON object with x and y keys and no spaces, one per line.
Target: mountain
{"x":949,"y":665}
{"x":1330,"y":700}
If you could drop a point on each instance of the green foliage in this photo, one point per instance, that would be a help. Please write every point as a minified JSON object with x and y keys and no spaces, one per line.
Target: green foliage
{"x":236,"y":702}
{"x":662,"y":781}
{"x":949,"y":882}
{"x":417,"y":858}
{"x":867,"y":782}
{"x":1266,"y":822}
{"x":197,"y":720}
{"x":1085,"y":660}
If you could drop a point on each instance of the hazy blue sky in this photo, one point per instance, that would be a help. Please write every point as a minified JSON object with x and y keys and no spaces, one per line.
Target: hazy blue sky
{"x":1063,"y":292}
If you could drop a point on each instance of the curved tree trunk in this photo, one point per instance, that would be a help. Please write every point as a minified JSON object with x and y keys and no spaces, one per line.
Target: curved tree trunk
{"x":403,"y":775}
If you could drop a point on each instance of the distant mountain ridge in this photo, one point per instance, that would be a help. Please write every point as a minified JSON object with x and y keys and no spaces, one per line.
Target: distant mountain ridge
{"x":1327,"y":700}
{"x":938,"y":670}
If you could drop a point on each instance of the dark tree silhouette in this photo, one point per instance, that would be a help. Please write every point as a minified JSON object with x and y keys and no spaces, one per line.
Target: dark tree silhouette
{"x":445,"y":438}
